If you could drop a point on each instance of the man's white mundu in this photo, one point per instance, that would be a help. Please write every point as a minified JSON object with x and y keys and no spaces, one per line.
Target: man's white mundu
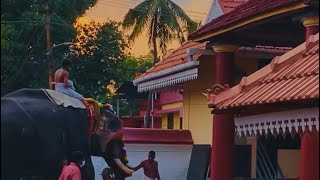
{"x":147,"y":178}
{"x":68,"y":91}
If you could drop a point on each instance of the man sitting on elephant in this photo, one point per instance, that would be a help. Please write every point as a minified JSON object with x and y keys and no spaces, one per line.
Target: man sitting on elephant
{"x":64,"y":85}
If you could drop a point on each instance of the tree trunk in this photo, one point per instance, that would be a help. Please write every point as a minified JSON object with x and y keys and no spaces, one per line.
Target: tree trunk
{"x":155,"y":59}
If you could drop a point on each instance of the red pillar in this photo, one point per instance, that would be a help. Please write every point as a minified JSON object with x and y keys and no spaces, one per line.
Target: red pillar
{"x":312,"y":25}
{"x":309,"y":162}
{"x":222,"y":152}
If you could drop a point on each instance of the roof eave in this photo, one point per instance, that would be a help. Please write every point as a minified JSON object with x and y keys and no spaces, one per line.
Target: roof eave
{"x":254,"y":18}
{"x":165,"y":72}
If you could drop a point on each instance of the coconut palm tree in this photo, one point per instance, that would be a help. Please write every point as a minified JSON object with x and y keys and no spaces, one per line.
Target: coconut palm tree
{"x":165,"y":22}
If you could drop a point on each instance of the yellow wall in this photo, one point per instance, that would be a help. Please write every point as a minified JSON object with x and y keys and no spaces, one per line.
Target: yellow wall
{"x":164,"y":123}
{"x":197,"y":116}
{"x":172,"y":106}
{"x":176,"y":121}
{"x":289,"y":162}
{"x":176,"y":117}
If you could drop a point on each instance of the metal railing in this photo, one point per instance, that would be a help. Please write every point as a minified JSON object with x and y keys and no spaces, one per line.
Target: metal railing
{"x":265,"y":168}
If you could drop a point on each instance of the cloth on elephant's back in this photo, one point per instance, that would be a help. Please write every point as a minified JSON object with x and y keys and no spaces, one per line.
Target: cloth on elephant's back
{"x":63,"y":99}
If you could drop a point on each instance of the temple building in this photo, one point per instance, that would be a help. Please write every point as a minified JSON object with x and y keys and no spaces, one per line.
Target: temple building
{"x":278,"y":104}
{"x":249,"y":80}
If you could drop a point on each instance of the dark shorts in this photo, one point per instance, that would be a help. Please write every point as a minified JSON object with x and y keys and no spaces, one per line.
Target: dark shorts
{"x":114,"y":168}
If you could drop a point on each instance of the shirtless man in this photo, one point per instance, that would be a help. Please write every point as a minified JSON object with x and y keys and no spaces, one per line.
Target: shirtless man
{"x":64,"y":85}
{"x":150,"y":167}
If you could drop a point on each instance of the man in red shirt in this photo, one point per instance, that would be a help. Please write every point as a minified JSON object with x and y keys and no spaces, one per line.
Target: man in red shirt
{"x":150,"y":167}
{"x":72,"y":171}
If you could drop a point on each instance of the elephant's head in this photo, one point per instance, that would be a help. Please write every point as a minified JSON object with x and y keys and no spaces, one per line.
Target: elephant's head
{"x":109,"y":129}
{"x":106,"y":129}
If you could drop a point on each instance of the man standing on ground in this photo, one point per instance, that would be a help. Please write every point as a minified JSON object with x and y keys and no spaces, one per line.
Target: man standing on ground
{"x":150,"y":167}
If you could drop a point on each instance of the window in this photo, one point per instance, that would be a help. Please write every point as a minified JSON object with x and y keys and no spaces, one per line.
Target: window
{"x":170,"y":120}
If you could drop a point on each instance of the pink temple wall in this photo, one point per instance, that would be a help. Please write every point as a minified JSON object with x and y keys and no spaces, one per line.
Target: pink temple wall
{"x":170,"y":97}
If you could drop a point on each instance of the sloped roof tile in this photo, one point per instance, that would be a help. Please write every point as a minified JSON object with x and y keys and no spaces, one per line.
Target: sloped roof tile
{"x":229,"y":5}
{"x":178,"y":57}
{"x":241,"y":12}
{"x":291,"y":77}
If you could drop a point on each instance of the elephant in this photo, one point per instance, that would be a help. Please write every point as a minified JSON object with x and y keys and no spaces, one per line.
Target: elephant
{"x":37,"y":135}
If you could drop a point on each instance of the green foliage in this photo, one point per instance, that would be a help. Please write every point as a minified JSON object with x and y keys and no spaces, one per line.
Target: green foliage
{"x":100,"y":61}
{"x":6,"y":35}
{"x":100,"y":51}
{"x":164,"y":20}
{"x":133,"y":66}
{"x":23,"y":52}
{"x":126,"y":72}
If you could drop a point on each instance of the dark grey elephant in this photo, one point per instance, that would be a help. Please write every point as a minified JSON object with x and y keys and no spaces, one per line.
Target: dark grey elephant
{"x":37,"y":134}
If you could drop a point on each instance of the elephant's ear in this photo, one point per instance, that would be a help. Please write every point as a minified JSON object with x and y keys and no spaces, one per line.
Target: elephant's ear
{"x":115,"y":125}
{"x":114,"y":122}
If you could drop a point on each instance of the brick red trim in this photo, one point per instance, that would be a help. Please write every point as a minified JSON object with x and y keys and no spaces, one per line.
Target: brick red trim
{"x":156,"y":136}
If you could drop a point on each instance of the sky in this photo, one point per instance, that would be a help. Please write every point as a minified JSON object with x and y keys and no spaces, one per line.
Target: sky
{"x":116,"y":10}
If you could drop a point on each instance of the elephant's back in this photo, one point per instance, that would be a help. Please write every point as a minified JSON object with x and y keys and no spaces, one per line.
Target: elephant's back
{"x":39,"y":130}
{"x":27,"y":107}
{"x":32,"y":106}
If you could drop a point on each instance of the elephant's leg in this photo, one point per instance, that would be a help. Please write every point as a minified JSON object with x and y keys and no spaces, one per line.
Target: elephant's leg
{"x":88,"y":170}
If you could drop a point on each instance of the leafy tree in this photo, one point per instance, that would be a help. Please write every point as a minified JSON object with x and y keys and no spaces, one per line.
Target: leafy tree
{"x":128,"y":71}
{"x":133,"y":66}
{"x":6,"y":34}
{"x":99,"y":52}
{"x":23,"y":64}
{"x":164,"y":20}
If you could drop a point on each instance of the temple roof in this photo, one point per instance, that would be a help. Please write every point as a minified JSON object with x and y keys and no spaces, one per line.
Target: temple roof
{"x":293,"y":76}
{"x":242,"y":12}
{"x":172,"y":70}
{"x":229,"y":5}
{"x":177,"y":57}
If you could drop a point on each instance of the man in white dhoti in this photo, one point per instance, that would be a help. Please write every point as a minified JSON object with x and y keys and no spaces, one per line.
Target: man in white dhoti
{"x":64,"y":85}
{"x":147,"y":178}
{"x":150,"y":167}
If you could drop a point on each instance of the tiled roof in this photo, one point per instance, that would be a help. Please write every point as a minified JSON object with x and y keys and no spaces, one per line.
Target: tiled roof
{"x":229,"y":5}
{"x":246,"y":10}
{"x":178,"y":57}
{"x":291,"y":77}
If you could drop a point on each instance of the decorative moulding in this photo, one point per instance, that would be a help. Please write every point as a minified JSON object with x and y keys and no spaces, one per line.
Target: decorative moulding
{"x":277,"y":122}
